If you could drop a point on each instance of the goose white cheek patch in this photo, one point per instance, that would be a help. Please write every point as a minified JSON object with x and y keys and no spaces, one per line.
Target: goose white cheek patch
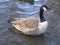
{"x":44,"y":8}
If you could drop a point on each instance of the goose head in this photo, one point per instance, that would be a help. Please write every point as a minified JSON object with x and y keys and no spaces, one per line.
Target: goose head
{"x":44,"y":7}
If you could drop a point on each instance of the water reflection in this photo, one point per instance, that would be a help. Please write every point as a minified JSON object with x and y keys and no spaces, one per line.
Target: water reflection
{"x":30,"y":40}
{"x":48,"y":38}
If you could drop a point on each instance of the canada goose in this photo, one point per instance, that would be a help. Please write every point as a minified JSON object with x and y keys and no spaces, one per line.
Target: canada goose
{"x":30,"y":25}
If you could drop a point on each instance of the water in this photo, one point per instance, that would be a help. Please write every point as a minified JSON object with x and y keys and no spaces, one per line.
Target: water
{"x":10,"y":36}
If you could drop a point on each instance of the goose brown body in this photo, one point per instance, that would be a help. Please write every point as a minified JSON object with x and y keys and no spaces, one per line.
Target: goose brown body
{"x":26,"y":22}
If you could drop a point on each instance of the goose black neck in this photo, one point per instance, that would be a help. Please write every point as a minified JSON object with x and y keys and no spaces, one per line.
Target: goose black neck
{"x":42,"y":19}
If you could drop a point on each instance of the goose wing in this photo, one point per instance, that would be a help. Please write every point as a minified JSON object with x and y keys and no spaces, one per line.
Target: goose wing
{"x":25,"y":22}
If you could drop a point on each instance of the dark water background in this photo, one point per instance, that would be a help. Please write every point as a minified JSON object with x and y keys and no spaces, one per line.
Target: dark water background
{"x":9,"y":37}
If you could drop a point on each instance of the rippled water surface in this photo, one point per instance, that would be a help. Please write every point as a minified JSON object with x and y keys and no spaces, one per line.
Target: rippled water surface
{"x":10,"y":36}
